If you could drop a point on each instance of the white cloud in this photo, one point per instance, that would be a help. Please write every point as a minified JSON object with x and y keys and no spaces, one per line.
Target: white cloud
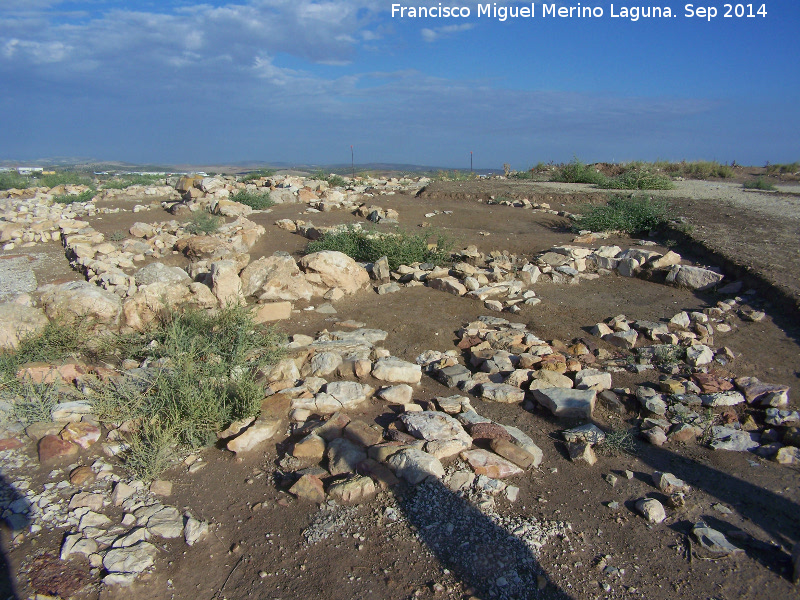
{"x":432,"y":35}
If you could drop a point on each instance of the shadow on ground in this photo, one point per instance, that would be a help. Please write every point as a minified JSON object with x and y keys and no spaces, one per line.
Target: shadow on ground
{"x":487,"y":558}
{"x":16,"y":520}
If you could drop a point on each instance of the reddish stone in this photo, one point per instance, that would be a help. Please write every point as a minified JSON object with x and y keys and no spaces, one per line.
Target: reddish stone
{"x":39,"y":373}
{"x":469,"y":342}
{"x":489,"y":431}
{"x":52,"y":447}
{"x":711,"y":384}
{"x":83,"y":434}
{"x":10,"y":443}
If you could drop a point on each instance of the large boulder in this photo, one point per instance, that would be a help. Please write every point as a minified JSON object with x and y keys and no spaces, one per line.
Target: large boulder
{"x":694,"y":278}
{"x":275,"y":277}
{"x":225,"y":282}
{"x":82,"y":300}
{"x":17,"y":322}
{"x":158,"y":272}
{"x":151,"y":301}
{"x":336,"y":270}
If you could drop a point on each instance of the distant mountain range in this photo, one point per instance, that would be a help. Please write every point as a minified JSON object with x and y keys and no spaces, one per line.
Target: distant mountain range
{"x":96,"y":165}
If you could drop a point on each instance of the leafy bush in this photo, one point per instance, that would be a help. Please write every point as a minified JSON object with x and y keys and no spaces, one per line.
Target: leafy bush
{"x":200,"y":377}
{"x":400,"y":248}
{"x":454,"y":175}
{"x":759,"y":184}
{"x":10,"y":180}
{"x":577,"y":172}
{"x":255,"y":200}
{"x":125,"y":181}
{"x":259,"y":174}
{"x":638,"y":178}
{"x":84,"y":196}
{"x":703,"y":169}
{"x":781,"y":169}
{"x":64,"y":179}
{"x":628,"y":215}
{"x":203,"y":223}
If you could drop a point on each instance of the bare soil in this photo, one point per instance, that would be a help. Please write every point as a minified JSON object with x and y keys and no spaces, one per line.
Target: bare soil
{"x":257,"y":548}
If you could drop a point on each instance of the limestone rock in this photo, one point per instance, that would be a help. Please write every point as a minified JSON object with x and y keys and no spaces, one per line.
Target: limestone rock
{"x":651,"y":509}
{"x":693,"y":278}
{"x":487,"y":463}
{"x":593,"y":379}
{"x":260,"y":431}
{"x":415,"y":466}
{"x":194,"y":531}
{"x":713,"y":540}
{"x":336,"y":270}
{"x":275,"y":277}
{"x":166,"y":523}
{"x":581,"y":451}
{"x":225,"y":283}
{"x":344,"y":456}
{"x":395,"y":370}
{"x":567,"y":403}
{"x":81,"y":300}
{"x":448,"y":284}
{"x":309,"y":487}
{"x":17,"y":322}
{"x":160,"y":273}
{"x":502,"y":392}
{"x":133,"y":559}
{"x":726,"y":438}
{"x":434,"y":425}
{"x":356,"y":489}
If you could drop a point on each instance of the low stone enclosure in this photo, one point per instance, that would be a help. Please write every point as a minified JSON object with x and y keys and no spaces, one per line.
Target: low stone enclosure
{"x":114,"y":522}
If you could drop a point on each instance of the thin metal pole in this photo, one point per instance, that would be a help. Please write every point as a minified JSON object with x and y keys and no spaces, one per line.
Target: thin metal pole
{"x":470,"y":161}
{"x":353,"y":161}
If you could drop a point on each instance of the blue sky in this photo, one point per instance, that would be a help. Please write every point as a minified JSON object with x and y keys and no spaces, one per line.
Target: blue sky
{"x":299,"y":81}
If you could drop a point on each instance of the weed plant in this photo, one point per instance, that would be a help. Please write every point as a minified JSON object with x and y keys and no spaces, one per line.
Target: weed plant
{"x":400,"y":248}
{"x":638,"y":178}
{"x":198,"y":375}
{"x":578,"y":172}
{"x":11,"y":180}
{"x":255,"y":200}
{"x":259,"y":174}
{"x":617,"y":442}
{"x":759,"y":184}
{"x":628,"y":215}
{"x":203,"y":223}
{"x":783,"y":169}
{"x":84,"y":196}
{"x":125,"y":181}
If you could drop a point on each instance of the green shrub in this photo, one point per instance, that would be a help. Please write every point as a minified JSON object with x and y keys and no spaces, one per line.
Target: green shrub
{"x":454,"y":175}
{"x":618,"y":442}
{"x":84,"y":196}
{"x":638,"y":178}
{"x":63,"y":179}
{"x":703,"y":169}
{"x":125,"y":181}
{"x":628,"y":215}
{"x":203,"y":223}
{"x":759,"y":184}
{"x":781,"y":169}
{"x":36,"y":402}
{"x":10,"y":180}
{"x":259,"y":174}
{"x":400,"y":248}
{"x":201,"y":378}
{"x":577,"y":172}
{"x":255,"y":200}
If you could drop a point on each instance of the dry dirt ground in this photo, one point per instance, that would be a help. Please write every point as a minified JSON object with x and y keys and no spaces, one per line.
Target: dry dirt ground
{"x":257,"y":548}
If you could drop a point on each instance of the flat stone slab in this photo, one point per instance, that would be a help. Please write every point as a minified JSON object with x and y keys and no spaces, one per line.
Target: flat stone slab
{"x":395,"y":370}
{"x":415,"y":466}
{"x":134,"y":559}
{"x":434,"y":425}
{"x":490,"y":464}
{"x":567,"y":403}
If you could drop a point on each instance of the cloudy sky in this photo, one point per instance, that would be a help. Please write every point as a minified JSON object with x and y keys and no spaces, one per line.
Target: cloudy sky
{"x":299,"y":81}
